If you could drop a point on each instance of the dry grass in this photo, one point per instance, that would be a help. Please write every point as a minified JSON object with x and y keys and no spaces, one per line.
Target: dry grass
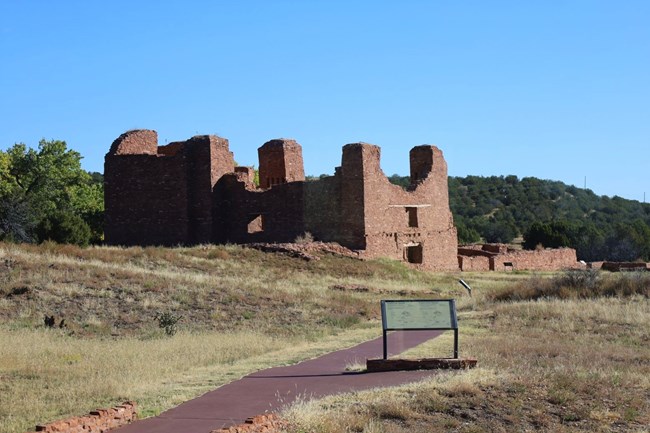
{"x":553,"y":365}
{"x":241,"y":309}
{"x":47,"y":375}
{"x":578,"y":284}
{"x":562,"y":362}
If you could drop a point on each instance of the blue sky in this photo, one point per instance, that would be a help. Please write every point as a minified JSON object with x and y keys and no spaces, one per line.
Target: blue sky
{"x":553,"y":89}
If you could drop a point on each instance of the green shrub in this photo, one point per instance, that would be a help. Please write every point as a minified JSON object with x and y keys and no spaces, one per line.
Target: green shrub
{"x":168,"y":322}
{"x":64,"y":228}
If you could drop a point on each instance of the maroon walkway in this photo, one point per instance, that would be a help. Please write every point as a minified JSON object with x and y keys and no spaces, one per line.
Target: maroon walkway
{"x":268,"y":390}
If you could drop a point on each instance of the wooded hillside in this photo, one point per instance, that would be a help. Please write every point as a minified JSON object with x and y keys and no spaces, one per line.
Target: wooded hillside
{"x":548,"y":213}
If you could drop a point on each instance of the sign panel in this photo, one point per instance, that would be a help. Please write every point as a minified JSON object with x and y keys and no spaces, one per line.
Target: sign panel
{"x":419,"y":314}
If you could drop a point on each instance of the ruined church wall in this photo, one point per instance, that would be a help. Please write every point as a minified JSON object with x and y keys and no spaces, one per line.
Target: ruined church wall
{"x":244,"y":214}
{"x":280,"y":162}
{"x":146,"y":200}
{"x":414,"y":225}
{"x":322,"y":208}
{"x":208,"y":159}
{"x":190,"y":192}
{"x":162,"y":195}
{"x":354,"y":174}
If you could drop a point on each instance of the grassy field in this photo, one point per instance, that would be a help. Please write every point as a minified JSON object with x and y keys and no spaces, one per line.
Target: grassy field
{"x":240,"y":310}
{"x":552,"y":356}
{"x":575,"y":361}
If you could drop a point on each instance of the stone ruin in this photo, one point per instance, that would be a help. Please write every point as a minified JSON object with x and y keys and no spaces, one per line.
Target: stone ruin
{"x":191,"y":192}
{"x":500,"y":257}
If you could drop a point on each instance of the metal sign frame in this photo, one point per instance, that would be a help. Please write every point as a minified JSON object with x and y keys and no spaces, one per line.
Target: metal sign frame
{"x":452,"y":318}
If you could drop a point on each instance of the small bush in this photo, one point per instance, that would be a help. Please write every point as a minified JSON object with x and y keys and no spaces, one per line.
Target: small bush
{"x":579,"y":279}
{"x":168,"y":322}
{"x":304,"y":238}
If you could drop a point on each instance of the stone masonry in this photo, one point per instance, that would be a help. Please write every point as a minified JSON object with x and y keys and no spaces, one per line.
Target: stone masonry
{"x":190,"y":192}
{"x":499,"y":257}
{"x":97,"y":421}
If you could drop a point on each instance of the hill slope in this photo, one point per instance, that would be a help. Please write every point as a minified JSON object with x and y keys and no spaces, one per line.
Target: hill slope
{"x":501,"y":208}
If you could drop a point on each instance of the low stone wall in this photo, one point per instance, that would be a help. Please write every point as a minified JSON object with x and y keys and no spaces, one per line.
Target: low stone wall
{"x":537,"y":260}
{"x":97,"y":421}
{"x":475,"y":263}
{"x":269,"y":423}
{"x":377,"y":365}
{"x":498,"y":257}
{"x":624,"y":266}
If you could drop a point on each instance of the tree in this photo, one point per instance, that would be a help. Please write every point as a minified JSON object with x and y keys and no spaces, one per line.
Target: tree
{"x":628,"y":242}
{"x":64,"y":227}
{"x":499,"y":231}
{"x":44,"y":183}
{"x":467,"y":235}
{"x":16,"y":221}
{"x":550,"y":235}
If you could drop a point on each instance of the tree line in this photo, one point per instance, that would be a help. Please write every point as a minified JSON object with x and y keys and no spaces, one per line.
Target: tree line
{"x":46,"y":195}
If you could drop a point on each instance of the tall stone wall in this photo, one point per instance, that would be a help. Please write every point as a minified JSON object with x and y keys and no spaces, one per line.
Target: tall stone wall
{"x":162,"y":195}
{"x":145,"y":193}
{"x":245,"y":214}
{"x":189,"y":192}
{"x":280,"y":162}
{"x":322,"y":208}
{"x":210,"y":159}
{"x":413,"y":225}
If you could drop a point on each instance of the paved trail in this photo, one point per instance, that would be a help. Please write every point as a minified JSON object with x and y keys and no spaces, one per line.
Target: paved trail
{"x":268,"y":390}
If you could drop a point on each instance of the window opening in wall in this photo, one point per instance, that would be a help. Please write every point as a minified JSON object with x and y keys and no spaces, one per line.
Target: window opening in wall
{"x":256,"y":223}
{"x":413,"y":216}
{"x":413,"y":253}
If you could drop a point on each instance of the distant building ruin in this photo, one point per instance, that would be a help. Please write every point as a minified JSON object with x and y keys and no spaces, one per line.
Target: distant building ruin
{"x":500,"y":257}
{"x":190,"y":192}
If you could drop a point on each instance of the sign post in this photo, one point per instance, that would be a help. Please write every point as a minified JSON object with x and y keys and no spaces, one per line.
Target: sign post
{"x":419,"y":315}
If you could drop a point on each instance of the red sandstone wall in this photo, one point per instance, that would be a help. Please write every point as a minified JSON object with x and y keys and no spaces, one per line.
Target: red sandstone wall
{"x":162,"y":197}
{"x":208,"y":159}
{"x":502,"y":258}
{"x":145,"y":197}
{"x":474,"y":264}
{"x":136,"y":142}
{"x":187,"y":193}
{"x":539,"y":260}
{"x":322,"y":208}
{"x":269,"y":423}
{"x":353,"y":174}
{"x":98,"y":421}
{"x":395,"y":219}
{"x":472,"y":251}
{"x":278,"y":211}
{"x":280,"y":162}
